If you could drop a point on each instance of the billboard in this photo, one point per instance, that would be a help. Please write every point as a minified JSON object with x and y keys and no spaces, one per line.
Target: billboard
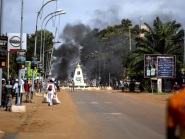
{"x":28,"y":70}
{"x":14,"y":41}
{"x":160,"y":66}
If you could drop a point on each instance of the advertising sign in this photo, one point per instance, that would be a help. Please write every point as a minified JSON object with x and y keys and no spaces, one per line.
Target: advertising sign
{"x":14,"y":41}
{"x":3,"y":51}
{"x":166,"y":66}
{"x":161,"y":66}
{"x":28,"y":70}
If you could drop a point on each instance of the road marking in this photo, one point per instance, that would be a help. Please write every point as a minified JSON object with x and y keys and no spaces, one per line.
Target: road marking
{"x":94,"y":102}
{"x":113,"y":113}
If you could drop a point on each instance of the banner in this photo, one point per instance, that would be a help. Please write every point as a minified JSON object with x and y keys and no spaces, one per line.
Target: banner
{"x":28,"y":70}
{"x":160,"y":66}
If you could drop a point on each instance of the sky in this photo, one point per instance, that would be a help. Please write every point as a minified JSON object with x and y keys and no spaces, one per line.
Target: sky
{"x":95,"y":13}
{"x":81,"y":15}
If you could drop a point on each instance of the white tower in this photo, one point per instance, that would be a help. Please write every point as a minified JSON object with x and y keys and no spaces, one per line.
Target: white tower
{"x":78,"y":76}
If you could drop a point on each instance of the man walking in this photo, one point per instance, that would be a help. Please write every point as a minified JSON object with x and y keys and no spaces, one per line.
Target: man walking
{"x":16,"y":90}
{"x":8,"y":92}
{"x":27,"y":90}
{"x":50,"y":91}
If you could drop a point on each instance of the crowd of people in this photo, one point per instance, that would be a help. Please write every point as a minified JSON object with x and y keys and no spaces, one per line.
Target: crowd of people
{"x":10,"y":91}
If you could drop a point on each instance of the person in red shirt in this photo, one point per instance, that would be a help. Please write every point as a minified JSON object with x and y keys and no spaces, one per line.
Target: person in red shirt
{"x":27,"y":90}
{"x":175,"y":121}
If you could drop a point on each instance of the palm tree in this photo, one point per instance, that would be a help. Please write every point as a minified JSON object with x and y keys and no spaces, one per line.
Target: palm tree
{"x":163,"y":38}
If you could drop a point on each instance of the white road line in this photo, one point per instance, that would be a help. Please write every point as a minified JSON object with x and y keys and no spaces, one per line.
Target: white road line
{"x":113,"y":113}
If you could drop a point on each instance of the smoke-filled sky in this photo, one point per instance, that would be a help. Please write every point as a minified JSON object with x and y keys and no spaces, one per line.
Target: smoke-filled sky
{"x":99,"y":13}
{"x":83,"y":15}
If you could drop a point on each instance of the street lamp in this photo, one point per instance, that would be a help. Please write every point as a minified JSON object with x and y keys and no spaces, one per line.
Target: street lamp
{"x":59,"y":10}
{"x":41,"y":65}
{"x":62,"y":12}
{"x":34,"y":60}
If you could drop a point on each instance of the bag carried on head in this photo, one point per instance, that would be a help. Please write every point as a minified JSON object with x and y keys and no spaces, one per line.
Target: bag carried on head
{"x":50,"y":87}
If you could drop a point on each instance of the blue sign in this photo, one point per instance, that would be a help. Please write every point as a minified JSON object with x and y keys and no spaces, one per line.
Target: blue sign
{"x":165,"y":66}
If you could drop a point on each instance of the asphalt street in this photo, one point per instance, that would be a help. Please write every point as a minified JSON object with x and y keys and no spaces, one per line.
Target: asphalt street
{"x":88,"y":115}
{"x":117,"y":115}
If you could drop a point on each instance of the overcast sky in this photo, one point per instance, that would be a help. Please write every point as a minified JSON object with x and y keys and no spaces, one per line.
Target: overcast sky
{"x":95,"y":13}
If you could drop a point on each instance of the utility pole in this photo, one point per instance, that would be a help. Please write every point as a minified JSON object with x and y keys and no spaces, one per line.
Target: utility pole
{"x":1,"y":32}
{"x":19,"y":74}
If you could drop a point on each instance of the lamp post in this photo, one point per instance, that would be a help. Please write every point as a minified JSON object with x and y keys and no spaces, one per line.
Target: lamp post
{"x":20,"y":59}
{"x":62,"y":12}
{"x":1,"y":32}
{"x":34,"y":61}
{"x":41,"y":64}
{"x":59,"y":10}
{"x":183,"y":70}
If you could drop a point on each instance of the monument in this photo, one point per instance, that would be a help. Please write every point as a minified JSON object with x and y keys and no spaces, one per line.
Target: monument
{"x":78,"y":76}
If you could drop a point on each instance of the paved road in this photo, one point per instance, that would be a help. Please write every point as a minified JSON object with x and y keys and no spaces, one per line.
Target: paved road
{"x":119,"y":116}
{"x":87,"y":115}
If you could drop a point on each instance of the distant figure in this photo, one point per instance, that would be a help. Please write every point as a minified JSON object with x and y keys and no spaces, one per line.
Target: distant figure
{"x":8,"y":92}
{"x":175,"y":122}
{"x":122,"y":86}
{"x":16,"y":90}
{"x":117,"y":85}
{"x":72,"y":86}
{"x":176,"y":86}
{"x":3,"y":92}
{"x":27,"y":90}
{"x":50,"y":91}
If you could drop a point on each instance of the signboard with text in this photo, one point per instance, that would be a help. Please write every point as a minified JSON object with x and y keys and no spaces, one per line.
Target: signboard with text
{"x":14,"y":41}
{"x":160,"y":66}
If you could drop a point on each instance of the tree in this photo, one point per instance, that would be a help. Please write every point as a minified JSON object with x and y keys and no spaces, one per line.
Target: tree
{"x":163,"y":38}
{"x":31,"y":43}
{"x":30,"y":50}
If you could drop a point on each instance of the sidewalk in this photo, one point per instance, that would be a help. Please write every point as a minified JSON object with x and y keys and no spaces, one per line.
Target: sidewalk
{"x":9,"y":121}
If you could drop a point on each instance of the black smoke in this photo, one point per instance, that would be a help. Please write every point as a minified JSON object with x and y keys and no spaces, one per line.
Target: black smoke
{"x":69,"y":52}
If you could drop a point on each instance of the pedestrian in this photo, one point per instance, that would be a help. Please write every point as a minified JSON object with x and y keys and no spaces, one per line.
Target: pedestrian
{"x":117,"y":85}
{"x":122,"y":86}
{"x":175,"y":121}
{"x":176,"y":87}
{"x":15,"y":90}
{"x":31,"y":91}
{"x":27,"y":90}
{"x":3,"y":92}
{"x":21,"y":90}
{"x":72,"y":86}
{"x":50,"y":91}
{"x":37,"y":85}
{"x":8,"y":92}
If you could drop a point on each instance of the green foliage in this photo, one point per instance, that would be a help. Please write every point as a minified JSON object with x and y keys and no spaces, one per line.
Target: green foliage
{"x":162,"y":38}
{"x":13,"y":71}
